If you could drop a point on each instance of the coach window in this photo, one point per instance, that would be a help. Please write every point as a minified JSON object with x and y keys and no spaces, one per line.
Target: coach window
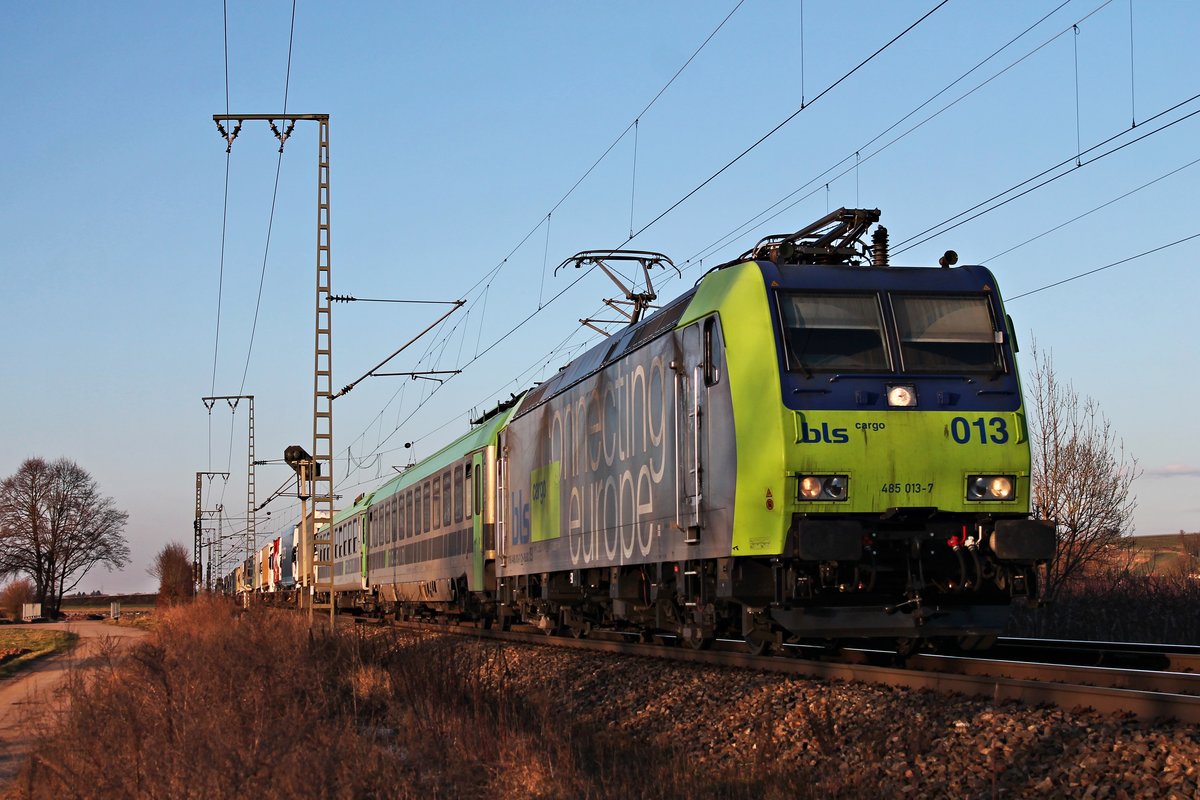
{"x":467,"y":494}
{"x":437,"y":503}
{"x":410,"y":523}
{"x":478,"y":492}
{"x":418,"y":508}
{"x":458,"y":492}
{"x":446,"y":502}
{"x":426,"y":510}
{"x":399,"y":498}
{"x":398,"y":519}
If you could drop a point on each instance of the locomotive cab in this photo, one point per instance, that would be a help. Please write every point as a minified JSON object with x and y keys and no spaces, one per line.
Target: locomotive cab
{"x":906,"y":452}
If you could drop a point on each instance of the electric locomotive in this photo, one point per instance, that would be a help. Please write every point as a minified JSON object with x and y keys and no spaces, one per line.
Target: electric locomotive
{"x":810,"y":444}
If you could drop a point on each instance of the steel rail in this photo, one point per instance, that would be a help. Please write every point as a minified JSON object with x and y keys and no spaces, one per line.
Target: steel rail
{"x":1137,"y":655}
{"x":1183,"y":683}
{"x":1026,"y":683}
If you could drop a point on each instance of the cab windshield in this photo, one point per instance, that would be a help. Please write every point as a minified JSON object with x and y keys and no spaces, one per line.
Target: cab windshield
{"x":946,"y":334}
{"x":834,"y":332}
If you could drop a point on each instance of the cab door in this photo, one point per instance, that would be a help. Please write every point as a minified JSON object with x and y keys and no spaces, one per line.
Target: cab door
{"x":690,"y":433}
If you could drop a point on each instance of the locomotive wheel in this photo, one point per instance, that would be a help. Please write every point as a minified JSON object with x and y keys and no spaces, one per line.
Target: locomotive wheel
{"x":690,"y":638}
{"x":758,"y":646}
{"x":580,"y":630}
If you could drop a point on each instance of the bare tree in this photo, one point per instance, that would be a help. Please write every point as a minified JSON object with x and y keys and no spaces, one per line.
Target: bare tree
{"x":173,"y":568}
{"x":55,"y":526}
{"x":1082,"y":474}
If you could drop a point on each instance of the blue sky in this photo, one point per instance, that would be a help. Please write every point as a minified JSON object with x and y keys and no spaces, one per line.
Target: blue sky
{"x":457,"y":127}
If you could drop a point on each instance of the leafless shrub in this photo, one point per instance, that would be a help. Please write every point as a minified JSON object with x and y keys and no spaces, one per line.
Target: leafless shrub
{"x":14,"y":594}
{"x":173,"y":568}
{"x":1082,"y":474}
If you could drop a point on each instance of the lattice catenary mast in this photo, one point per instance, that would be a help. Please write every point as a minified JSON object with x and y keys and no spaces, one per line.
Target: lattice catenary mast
{"x":321,"y":474}
{"x":233,"y":400}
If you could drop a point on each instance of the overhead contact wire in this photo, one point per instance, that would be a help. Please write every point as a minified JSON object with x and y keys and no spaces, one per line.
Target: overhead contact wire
{"x":790,"y":117}
{"x":762,"y":217}
{"x":224,"y":225}
{"x":915,"y":241}
{"x":488,"y":276}
{"x":1117,"y":199}
{"x":491,"y":274}
{"x":271,"y":217}
{"x":1106,"y":266}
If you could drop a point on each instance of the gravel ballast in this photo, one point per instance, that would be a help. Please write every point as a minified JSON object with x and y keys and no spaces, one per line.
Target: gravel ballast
{"x":857,"y":739}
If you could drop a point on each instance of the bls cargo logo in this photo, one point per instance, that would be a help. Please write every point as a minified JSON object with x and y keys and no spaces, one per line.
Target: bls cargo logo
{"x":821,"y":435}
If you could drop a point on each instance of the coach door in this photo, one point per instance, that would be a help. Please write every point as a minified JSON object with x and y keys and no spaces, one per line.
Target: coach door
{"x":476,"y":486}
{"x":364,"y":536}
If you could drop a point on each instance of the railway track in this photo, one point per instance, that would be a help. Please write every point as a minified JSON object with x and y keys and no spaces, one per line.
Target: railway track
{"x":1168,"y":693}
{"x":1163,"y":657}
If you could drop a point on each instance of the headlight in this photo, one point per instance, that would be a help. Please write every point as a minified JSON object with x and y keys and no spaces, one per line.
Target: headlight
{"x":823,"y":487}
{"x":902,"y":396}
{"x":990,"y":487}
{"x":810,"y":487}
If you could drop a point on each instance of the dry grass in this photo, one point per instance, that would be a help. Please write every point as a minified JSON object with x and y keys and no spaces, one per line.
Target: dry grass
{"x":144,"y":620}
{"x":1117,"y":605}
{"x":20,"y":647}
{"x":218,"y":703}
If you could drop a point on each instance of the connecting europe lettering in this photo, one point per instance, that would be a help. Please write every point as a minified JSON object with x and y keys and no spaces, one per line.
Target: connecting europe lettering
{"x":602,"y":471}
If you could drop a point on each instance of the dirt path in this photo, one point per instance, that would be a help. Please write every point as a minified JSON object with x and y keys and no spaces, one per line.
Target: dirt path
{"x":28,"y":693}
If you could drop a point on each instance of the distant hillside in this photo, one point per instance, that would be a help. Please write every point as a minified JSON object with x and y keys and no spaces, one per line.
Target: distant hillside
{"x":91,"y":600}
{"x":1166,"y":553}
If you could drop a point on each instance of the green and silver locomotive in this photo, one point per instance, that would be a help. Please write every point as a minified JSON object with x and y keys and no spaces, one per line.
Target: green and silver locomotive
{"x":803,"y":446}
{"x":810,"y":444}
